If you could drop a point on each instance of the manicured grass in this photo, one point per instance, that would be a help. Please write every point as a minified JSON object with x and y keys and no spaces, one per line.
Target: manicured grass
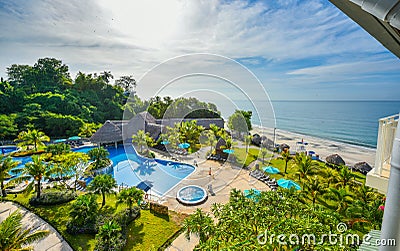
{"x":147,"y":232}
{"x":150,"y":231}
{"x":244,"y":159}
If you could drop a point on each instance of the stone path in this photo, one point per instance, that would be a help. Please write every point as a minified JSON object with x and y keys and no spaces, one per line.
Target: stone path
{"x":53,"y":242}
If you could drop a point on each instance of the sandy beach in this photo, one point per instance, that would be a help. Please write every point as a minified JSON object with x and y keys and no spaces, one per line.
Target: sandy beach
{"x":351,"y":154}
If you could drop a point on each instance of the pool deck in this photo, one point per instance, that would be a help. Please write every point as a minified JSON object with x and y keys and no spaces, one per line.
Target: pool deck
{"x":224,"y":177}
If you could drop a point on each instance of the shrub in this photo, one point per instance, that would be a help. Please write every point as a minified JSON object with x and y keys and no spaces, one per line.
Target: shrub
{"x":83,"y":215}
{"x":124,"y":218}
{"x":53,"y":198}
{"x":157,"y":208}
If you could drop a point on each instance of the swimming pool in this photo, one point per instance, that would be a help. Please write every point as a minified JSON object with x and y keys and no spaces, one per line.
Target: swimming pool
{"x":130,"y":169}
{"x":7,"y":149}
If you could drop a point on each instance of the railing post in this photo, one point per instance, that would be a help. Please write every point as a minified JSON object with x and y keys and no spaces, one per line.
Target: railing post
{"x":391,"y":217}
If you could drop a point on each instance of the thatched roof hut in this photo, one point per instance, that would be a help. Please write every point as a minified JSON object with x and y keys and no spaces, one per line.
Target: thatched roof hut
{"x":335,"y":159}
{"x":363,"y":167}
{"x":110,"y":132}
{"x":284,"y":146}
{"x":221,"y":142}
{"x":256,"y":140}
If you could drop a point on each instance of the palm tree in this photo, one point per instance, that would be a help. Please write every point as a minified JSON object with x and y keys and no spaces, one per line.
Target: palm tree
{"x":129,"y":196}
{"x":37,"y":169}
{"x":106,"y":76}
{"x":211,"y":139}
{"x":99,"y":157}
{"x":140,"y":140}
{"x":345,"y":176}
{"x":34,"y":137}
{"x":109,"y":237}
{"x":199,"y":223}
{"x":247,"y":141}
{"x":342,"y":198}
{"x":330,"y":175}
{"x":87,"y":129}
{"x":14,"y":238}
{"x":315,"y":188}
{"x":6,"y":164}
{"x":264,"y":152}
{"x":285,"y":156}
{"x":102,"y":184}
{"x":190,"y":132}
{"x":304,"y":164}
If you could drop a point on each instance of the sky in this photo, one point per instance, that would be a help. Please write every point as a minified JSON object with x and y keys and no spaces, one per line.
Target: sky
{"x":298,"y":50}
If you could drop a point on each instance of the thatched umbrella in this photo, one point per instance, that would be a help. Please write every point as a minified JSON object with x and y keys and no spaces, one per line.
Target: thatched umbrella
{"x":256,"y":140}
{"x":363,"y":167}
{"x":284,"y":146}
{"x":335,"y":159}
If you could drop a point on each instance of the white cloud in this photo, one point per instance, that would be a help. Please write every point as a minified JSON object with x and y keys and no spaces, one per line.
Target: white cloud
{"x":130,"y":37}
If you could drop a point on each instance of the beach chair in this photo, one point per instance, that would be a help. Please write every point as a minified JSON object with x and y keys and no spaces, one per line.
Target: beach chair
{"x":210,"y":190}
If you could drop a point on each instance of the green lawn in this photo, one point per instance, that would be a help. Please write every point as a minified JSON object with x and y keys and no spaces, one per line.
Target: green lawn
{"x":146,"y":232}
{"x":149,"y":231}
{"x":244,"y":159}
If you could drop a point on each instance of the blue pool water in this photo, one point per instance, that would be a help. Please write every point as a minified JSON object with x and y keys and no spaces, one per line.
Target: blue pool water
{"x":191,"y":195}
{"x":130,"y":169}
{"x":7,"y":149}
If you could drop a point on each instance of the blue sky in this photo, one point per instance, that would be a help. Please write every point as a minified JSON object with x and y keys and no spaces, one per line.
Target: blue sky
{"x":299,"y":50}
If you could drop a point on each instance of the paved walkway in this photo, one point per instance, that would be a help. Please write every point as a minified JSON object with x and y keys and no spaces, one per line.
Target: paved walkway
{"x":225,"y":176}
{"x":53,"y":242}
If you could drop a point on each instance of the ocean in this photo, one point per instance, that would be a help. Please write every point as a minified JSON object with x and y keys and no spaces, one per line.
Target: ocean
{"x":352,"y":122}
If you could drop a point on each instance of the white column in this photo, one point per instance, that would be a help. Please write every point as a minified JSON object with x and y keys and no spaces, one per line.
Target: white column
{"x":391,"y":217}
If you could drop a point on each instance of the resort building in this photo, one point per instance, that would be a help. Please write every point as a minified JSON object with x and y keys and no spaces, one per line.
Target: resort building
{"x":116,"y":131}
{"x":378,"y":177}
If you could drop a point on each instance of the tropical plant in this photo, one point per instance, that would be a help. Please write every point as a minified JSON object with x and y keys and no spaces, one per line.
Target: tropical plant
{"x":140,"y":139}
{"x":84,"y":210}
{"x":211,"y":140}
{"x":330,"y":175}
{"x":247,"y":141}
{"x":88,"y":129}
{"x":6,"y":165}
{"x":264,"y":152}
{"x":99,"y":156}
{"x":315,"y":188}
{"x":32,"y":137}
{"x":129,"y":196}
{"x":285,"y":156}
{"x":189,"y":132}
{"x":199,"y":223}
{"x":58,"y":149}
{"x":109,"y":237}
{"x":102,"y":184}
{"x":345,"y":176}
{"x":13,"y":237}
{"x":36,"y":170}
{"x":305,"y":165}
{"x":71,"y":163}
{"x":342,"y":198}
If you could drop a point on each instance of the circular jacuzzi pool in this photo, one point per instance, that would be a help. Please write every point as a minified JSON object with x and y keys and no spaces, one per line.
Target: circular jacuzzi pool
{"x":191,"y":195}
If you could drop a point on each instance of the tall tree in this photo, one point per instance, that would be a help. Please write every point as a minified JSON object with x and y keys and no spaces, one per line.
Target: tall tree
{"x":264,"y":152}
{"x":106,"y":76}
{"x":315,"y":188}
{"x":247,"y":141}
{"x":103,"y":184}
{"x":8,"y":127}
{"x":305,"y":165}
{"x":129,"y":196}
{"x":286,"y":157}
{"x":342,"y":197}
{"x":34,"y":137}
{"x":345,"y":176}
{"x":99,"y":156}
{"x":199,"y":223}
{"x":35,"y":170}
{"x":127,"y":83}
{"x":140,"y":139}
{"x":240,"y":121}
{"x":13,"y":237}
{"x":6,"y":165}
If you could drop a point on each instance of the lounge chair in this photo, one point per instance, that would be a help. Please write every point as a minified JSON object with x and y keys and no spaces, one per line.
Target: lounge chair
{"x":210,"y":190}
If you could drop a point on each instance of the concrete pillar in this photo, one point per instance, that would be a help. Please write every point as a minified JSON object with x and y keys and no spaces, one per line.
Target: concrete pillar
{"x":391,"y":217}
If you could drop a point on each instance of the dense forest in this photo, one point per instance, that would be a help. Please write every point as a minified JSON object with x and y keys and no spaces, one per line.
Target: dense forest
{"x":45,"y":97}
